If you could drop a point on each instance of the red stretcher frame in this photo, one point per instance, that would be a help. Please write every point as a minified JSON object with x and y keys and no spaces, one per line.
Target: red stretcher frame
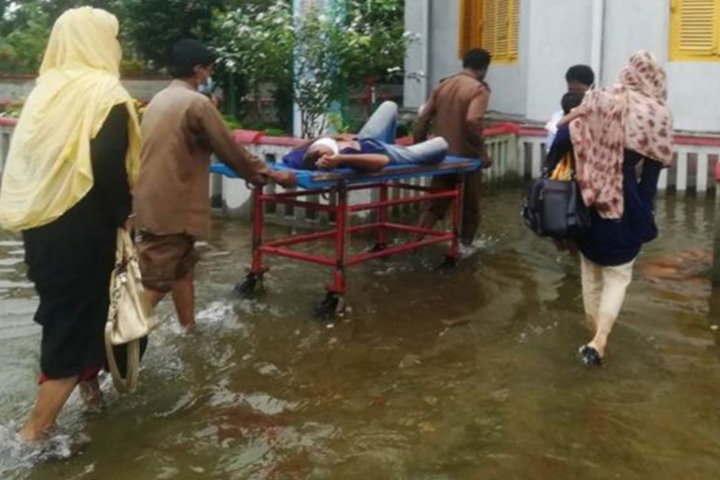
{"x":343,"y":229}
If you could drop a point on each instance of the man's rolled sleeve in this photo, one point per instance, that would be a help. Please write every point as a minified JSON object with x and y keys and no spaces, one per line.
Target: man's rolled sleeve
{"x":236,"y":156}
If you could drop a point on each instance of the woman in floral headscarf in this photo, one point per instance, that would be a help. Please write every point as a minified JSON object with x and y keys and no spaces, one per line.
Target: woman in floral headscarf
{"x":616,"y":133}
{"x":66,"y":187}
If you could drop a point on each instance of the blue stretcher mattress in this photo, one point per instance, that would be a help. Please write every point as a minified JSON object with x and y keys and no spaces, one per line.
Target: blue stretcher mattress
{"x":312,"y":179}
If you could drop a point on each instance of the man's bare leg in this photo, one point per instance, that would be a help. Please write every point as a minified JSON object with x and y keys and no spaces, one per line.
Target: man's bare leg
{"x":154,"y":296}
{"x":183,"y":295}
{"x":51,"y":398}
{"x":427,"y":220}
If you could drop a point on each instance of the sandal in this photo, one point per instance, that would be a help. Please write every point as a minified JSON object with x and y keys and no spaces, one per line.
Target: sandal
{"x":590,"y":357}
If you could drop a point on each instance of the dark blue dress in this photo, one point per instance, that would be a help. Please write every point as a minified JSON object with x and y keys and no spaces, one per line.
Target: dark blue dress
{"x":615,"y":242}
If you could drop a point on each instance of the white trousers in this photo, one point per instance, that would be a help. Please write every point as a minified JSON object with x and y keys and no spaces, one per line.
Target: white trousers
{"x":604,"y":290}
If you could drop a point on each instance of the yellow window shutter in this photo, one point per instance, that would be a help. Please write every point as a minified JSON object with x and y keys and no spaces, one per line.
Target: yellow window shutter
{"x":694,"y":30}
{"x":513,"y":48}
{"x":490,"y":24}
{"x":501,"y":29}
{"x":470,"y":25}
{"x":502,"y":34}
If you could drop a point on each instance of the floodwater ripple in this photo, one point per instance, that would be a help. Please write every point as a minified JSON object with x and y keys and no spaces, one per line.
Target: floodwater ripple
{"x":432,"y":375}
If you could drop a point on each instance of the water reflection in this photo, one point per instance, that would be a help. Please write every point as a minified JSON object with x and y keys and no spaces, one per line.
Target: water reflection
{"x":468,"y":374}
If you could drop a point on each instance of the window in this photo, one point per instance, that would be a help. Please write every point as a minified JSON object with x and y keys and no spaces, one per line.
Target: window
{"x":490,"y":24}
{"x":695,"y":30}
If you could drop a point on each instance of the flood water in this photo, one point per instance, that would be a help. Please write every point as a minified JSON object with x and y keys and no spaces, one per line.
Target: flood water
{"x":470,"y":374}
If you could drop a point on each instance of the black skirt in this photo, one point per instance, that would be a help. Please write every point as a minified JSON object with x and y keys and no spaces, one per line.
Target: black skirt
{"x":70,"y":260}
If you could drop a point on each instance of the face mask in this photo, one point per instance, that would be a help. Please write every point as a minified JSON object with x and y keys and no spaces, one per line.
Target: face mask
{"x":207,"y":86}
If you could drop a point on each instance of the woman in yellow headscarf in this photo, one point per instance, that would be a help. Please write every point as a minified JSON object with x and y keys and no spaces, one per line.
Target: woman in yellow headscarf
{"x":66,"y":187}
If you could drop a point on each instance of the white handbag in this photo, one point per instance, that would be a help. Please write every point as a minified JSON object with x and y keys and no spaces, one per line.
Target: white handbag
{"x":130,"y":316}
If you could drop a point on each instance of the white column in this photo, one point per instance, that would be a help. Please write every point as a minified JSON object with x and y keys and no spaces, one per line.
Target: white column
{"x":703,"y":166}
{"x":681,"y":180}
{"x":417,"y":60}
{"x":598,"y":38}
{"x":299,"y":9}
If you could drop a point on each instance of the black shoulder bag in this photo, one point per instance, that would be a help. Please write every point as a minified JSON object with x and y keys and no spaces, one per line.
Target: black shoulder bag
{"x":554,"y":207}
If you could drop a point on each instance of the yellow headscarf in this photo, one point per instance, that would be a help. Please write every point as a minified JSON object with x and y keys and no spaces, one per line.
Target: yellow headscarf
{"x":48,"y":168}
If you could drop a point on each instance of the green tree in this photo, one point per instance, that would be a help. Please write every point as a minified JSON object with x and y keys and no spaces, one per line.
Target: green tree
{"x":16,"y":14}
{"x":319,"y":57}
{"x":356,"y":42}
{"x":321,"y":43}
{"x":255,"y":45}
{"x":25,"y":27}
{"x":152,"y":26}
{"x":22,"y":50}
{"x":377,"y":41}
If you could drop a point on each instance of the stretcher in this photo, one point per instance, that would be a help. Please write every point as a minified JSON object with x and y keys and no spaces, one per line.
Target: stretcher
{"x":335,"y":185}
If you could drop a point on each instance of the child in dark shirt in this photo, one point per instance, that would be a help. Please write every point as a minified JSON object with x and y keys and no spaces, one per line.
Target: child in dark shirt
{"x":560,"y":145}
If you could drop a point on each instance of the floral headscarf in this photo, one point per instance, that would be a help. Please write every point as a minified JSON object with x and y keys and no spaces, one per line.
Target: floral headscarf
{"x":632,"y":114}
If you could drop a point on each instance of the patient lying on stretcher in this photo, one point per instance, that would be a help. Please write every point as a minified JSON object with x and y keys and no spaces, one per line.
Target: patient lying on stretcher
{"x":371,"y":150}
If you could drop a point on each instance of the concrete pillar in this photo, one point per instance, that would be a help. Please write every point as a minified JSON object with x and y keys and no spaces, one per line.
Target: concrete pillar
{"x":417,"y":60}
{"x":716,"y":236}
{"x":300,"y":7}
{"x":598,"y":39}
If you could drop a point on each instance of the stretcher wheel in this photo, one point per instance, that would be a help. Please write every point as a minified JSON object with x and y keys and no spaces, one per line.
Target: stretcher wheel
{"x":252,"y":285}
{"x":449,"y":263}
{"x":378,"y":247}
{"x":332,"y":305}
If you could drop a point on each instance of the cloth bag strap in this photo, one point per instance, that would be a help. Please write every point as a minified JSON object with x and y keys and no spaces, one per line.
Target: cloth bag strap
{"x":132,"y":367}
{"x":124,"y":253}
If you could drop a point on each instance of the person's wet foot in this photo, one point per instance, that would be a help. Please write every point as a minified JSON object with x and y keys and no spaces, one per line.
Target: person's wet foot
{"x":466,"y":250}
{"x":91,"y":394}
{"x":590,"y":357}
{"x":29,"y":435}
{"x":49,"y":445}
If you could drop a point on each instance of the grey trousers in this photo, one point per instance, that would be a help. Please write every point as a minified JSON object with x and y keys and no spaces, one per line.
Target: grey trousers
{"x":382,"y":126}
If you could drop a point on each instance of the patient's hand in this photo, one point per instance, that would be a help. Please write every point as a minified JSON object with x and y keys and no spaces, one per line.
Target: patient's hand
{"x":284,"y":179}
{"x":328,"y":162}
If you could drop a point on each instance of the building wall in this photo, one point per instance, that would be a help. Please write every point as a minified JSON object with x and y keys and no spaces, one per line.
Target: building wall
{"x":442,"y":60}
{"x":510,"y":81}
{"x":694,"y":104}
{"x":645,"y":24}
{"x":555,"y":34}
{"x":416,"y":67}
{"x":560,"y":36}
{"x":444,"y":25}
{"x":633,"y":26}
{"x":17,"y":89}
